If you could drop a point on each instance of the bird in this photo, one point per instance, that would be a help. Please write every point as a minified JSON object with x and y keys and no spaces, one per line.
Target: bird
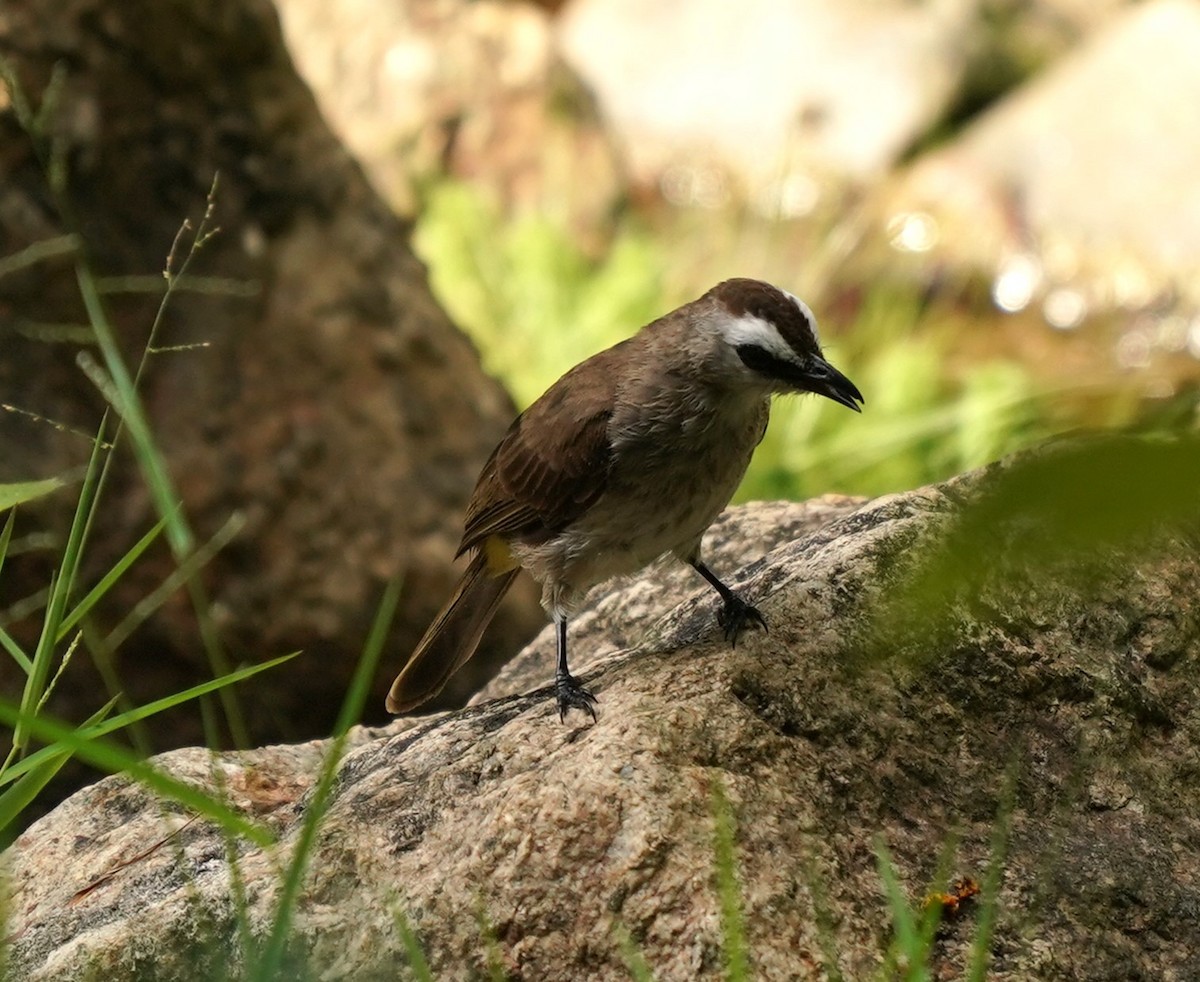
{"x":628,"y":457}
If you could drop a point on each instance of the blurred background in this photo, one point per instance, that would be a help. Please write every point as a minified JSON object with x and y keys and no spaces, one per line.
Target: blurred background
{"x":992,"y":205}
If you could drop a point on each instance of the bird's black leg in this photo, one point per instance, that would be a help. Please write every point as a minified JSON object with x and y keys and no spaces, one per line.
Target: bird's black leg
{"x":735,"y":615}
{"x":571,"y":695}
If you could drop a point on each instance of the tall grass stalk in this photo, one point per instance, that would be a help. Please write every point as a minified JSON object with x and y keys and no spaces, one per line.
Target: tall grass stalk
{"x":115,"y":381}
{"x":34,"y":691}
{"x":124,"y":396}
{"x":275,"y":949}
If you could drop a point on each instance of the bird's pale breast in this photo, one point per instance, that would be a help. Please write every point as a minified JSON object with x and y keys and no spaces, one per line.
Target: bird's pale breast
{"x":669,"y":482}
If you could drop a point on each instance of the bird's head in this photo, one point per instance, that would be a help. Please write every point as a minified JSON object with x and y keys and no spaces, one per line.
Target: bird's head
{"x":772,"y":341}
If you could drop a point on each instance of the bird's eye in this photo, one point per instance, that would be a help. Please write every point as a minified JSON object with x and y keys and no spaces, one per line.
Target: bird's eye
{"x":758,"y":359}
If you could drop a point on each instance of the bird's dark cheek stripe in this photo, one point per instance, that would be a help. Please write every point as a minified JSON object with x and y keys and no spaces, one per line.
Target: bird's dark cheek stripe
{"x":762,"y":361}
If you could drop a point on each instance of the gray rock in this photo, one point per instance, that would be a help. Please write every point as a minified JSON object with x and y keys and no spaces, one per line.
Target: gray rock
{"x":777,"y":96}
{"x":324,"y":398}
{"x":1078,"y":190}
{"x":1082,"y":701}
{"x":474,"y":89}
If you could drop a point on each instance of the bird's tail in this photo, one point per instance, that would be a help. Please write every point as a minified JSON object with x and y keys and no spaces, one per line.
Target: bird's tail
{"x":452,"y":637}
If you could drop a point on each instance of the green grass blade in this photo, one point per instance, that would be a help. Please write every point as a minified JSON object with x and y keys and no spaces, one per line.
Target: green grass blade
{"x":92,"y":730}
{"x":931,"y":909}
{"x":109,"y":579}
{"x":9,"y":644}
{"x":364,"y":672}
{"x":352,"y":705}
{"x":989,"y":900}
{"x":194,"y":692}
{"x":733,"y":932}
{"x":183,"y":574}
{"x":99,"y":715}
{"x":12,"y":495}
{"x":7,"y":641}
{"x":60,"y":588}
{"x":36,"y":774}
{"x":906,"y":940}
{"x":112,"y":759}
{"x":36,"y":252}
{"x":39,"y":671}
{"x":417,"y":963}
{"x":495,"y":958}
{"x":823,"y":918}
{"x":17,"y":798}
{"x":6,"y":537}
{"x":631,"y":954}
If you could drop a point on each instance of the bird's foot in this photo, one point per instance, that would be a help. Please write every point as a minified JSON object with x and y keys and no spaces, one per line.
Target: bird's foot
{"x":736,"y":616}
{"x":572,"y":695}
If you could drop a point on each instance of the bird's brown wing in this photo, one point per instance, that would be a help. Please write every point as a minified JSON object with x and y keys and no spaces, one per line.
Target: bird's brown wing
{"x":553,"y":462}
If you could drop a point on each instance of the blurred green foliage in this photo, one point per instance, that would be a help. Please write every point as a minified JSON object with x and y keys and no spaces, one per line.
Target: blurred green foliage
{"x":536,"y":304}
{"x":528,"y":295}
{"x":1073,"y":513}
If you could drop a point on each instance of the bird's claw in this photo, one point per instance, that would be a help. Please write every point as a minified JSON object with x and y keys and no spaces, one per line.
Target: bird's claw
{"x":736,"y":616}
{"x":571,"y":695}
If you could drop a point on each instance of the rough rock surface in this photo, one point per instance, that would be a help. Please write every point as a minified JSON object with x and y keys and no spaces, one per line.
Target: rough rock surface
{"x":332,"y":405}
{"x":1082,"y":702}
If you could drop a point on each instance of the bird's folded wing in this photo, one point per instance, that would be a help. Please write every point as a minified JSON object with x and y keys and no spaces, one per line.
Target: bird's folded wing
{"x":553,"y":462}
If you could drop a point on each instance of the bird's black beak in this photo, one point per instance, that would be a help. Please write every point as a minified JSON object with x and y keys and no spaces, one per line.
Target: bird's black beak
{"x":825,"y":380}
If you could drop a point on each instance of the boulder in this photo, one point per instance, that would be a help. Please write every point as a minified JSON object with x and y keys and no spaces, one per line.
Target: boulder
{"x":1076,"y":192}
{"x":306,"y":381}
{"x":1043,"y":742}
{"x":769,"y":101}
{"x":474,"y":89}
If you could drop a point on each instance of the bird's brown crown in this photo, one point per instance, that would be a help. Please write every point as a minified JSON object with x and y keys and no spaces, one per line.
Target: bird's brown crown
{"x":756,"y":298}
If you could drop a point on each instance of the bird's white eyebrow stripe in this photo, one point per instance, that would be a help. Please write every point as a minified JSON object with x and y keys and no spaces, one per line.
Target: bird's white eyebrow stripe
{"x":749,"y":329}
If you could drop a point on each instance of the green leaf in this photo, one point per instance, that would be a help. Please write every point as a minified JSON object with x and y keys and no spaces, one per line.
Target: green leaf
{"x":18,"y":493}
{"x":109,"y":579}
